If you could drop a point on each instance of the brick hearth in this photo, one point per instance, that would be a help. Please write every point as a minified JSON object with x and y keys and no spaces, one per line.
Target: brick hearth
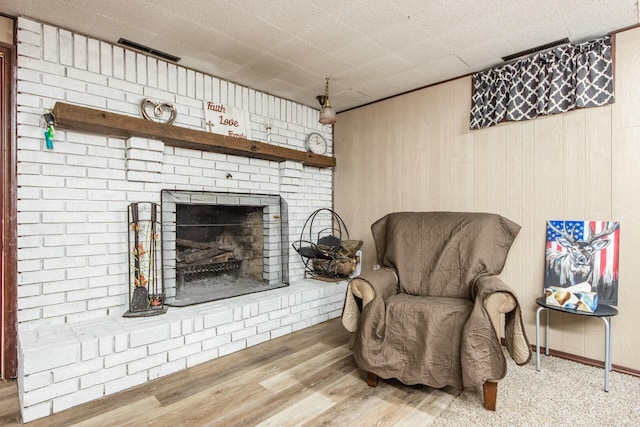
{"x":66,"y":366}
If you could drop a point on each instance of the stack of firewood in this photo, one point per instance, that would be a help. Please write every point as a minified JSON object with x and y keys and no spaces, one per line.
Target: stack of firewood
{"x":343,"y":264}
{"x":198,"y":253}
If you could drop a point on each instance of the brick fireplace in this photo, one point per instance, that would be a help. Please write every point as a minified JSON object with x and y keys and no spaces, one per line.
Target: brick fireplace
{"x":73,"y":343}
{"x":218,"y":245}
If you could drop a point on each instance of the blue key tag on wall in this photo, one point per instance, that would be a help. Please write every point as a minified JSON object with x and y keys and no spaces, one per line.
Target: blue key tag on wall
{"x":48,"y":136}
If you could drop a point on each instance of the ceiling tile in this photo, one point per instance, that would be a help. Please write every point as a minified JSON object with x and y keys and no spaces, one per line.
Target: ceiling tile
{"x":293,"y":17}
{"x":384,"y":66}
{"x":327,"y":33}
{"x":451,"y":62}
{"x":438,"y":16}
{"x":381,"y":88}
{"x":530,"y":37}
{"x":269,"y":64}
{"x":370,"y":49}
{"x":126,"y":12}
{"x":359,"y":50}
{"x":280,"y":86}
{"x":251,"y":74}
{"x":512,"y":16}
{"x":595,"y":19}
{"x":394,"y":36}
{"x":477,"y":54}
{"x":463,"y":36}
{"x":296,"y":51}
{"x":408,"y":78}
{"x":230,"y":49}
{"x":350,"y":97}
{"x":302,"y":77}
{"x":228,"y":19}
{"x":354,"y":77}
{"x":423,"y":51}
{"x":445,"y":68}
{"x":65,"y":14}
{"x":212,"y":65}
{"x":327,"y":66}
{"x":105,"y":29}
{"x":363,"y":17}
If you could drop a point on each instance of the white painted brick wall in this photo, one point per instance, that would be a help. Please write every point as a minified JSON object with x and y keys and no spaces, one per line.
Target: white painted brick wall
{"x":72,"y":234}
{"x":81,"y":188}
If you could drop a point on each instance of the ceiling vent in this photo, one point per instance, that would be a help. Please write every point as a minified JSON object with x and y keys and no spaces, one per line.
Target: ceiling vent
{"x":537,"y":49}
{"x":146,"y":49}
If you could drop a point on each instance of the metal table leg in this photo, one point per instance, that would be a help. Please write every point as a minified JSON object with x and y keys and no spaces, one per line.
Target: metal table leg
{"x":610,"y":343}
{"x":538,"y":335}
{"x":607,"y":351}
{"x":546,"y":335}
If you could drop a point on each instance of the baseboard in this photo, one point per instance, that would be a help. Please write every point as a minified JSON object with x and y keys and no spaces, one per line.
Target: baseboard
{"x":584,"y":360}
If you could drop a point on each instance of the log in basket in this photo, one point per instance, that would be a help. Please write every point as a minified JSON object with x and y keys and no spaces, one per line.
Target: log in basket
{"x":325,"y":247}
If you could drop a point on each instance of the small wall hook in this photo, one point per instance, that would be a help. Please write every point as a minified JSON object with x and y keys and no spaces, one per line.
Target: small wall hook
{"x":49,"y":118}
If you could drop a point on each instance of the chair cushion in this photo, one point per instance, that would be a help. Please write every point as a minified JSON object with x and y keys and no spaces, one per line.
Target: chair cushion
{"x":422,"y":341}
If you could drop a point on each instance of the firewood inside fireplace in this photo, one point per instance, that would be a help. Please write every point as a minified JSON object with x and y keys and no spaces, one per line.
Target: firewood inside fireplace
{"x":199,"y":252}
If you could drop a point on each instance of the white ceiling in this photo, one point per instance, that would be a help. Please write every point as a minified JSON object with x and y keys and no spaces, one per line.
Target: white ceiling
{"x":370,"y":49}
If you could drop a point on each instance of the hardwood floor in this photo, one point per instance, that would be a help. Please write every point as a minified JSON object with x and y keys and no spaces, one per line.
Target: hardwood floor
{"x":307,"y":378}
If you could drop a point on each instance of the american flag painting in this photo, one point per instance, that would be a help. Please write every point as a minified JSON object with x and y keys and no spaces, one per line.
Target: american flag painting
{"x":580,"y":252}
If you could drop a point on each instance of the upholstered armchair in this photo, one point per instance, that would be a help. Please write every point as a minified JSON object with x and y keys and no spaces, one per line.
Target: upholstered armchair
{"x":431,"y":314}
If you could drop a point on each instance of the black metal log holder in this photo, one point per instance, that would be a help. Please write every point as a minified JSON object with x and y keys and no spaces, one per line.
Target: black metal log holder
{"x":146,"y":291}
{"x":320,"y":242}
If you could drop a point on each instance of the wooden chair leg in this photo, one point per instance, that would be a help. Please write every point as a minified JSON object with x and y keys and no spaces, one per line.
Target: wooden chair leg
{"x":372,"y":379}
{"x":490,"y":389}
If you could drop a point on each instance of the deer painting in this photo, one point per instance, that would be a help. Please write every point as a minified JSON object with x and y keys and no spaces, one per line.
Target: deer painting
{"x":579,"y":244}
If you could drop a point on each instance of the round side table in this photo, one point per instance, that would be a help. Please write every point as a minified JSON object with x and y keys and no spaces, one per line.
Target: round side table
{"x":603,"y":312}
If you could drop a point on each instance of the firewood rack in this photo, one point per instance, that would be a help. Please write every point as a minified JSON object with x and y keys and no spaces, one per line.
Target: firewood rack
{"x":321,"y":243}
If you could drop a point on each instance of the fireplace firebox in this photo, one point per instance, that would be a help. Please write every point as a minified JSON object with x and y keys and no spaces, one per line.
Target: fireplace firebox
{"x":221,"y":245}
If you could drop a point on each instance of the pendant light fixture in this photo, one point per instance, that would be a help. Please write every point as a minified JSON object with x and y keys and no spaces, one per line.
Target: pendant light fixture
{"x":327,"y":114}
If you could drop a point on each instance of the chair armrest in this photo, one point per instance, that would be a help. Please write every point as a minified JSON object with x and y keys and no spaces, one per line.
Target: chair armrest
{"x":498,"y":303}
{"x":383,"y":283}
{"x":497,"y":298}
{"x":363,"y":289}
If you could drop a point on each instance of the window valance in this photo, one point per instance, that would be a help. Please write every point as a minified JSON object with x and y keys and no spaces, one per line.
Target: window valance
{"x":555,"y":81}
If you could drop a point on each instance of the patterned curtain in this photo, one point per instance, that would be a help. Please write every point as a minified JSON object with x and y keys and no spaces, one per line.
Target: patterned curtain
{"x":559,"y":80}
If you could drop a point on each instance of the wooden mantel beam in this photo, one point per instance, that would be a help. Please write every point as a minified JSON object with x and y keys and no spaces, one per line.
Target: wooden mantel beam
{"x":90,"y":120}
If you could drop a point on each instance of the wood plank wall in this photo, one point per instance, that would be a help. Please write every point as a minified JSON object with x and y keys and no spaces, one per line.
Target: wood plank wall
{"x":415,"y":152}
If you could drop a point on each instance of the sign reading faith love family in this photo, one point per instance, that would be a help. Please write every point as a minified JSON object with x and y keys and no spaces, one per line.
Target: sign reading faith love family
{"x":226,"y":120}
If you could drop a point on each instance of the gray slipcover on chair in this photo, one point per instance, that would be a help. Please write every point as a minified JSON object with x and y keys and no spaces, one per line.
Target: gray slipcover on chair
{"x":430,"y":314}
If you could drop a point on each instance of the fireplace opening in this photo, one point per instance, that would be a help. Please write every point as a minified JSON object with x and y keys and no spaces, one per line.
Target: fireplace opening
{"x":221,"y":247}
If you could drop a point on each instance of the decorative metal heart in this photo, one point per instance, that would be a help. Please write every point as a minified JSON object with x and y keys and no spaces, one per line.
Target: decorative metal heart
{"x":158,"y":111}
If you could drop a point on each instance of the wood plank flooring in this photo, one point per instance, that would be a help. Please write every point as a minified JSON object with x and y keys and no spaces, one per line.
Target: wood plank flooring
{"x":308,"y":378}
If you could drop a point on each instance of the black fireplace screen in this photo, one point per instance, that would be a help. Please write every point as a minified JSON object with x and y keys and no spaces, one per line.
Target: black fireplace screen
{"x":220,"y":245}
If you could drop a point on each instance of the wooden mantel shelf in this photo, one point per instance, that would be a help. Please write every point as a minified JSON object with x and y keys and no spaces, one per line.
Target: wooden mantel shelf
{"x":90,"y":120}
